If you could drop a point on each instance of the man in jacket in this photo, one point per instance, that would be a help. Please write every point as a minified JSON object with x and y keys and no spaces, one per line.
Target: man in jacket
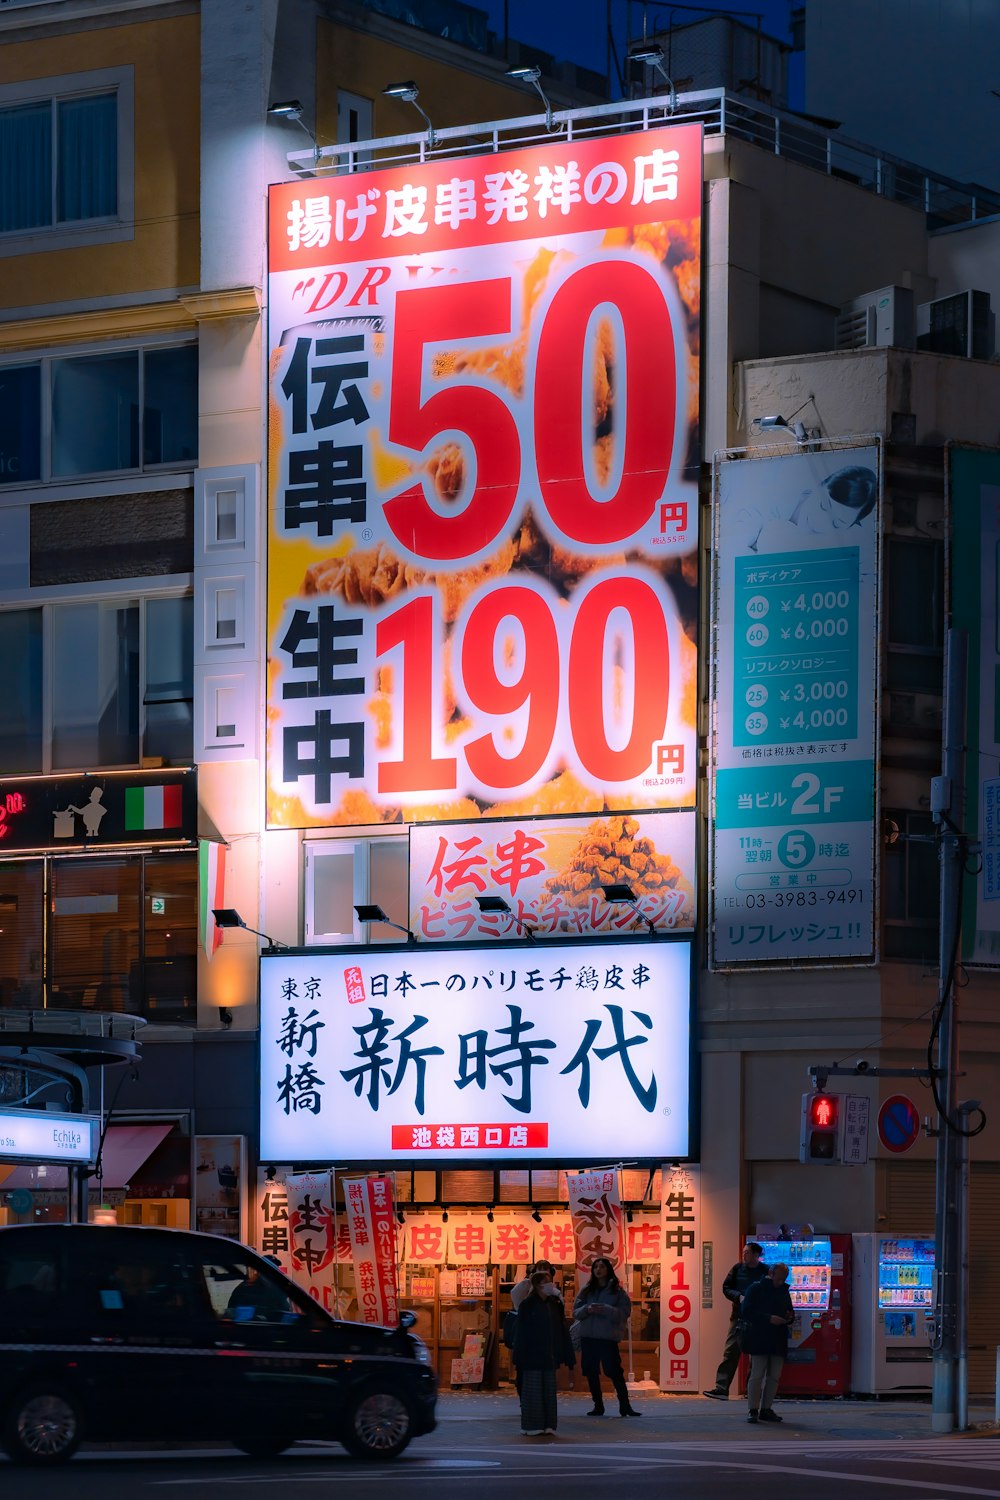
{"x":735,"y":1287}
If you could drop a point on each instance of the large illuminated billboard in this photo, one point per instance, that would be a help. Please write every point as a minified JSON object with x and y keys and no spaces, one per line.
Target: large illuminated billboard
{"x":482,"y":465}
{"x":514,"y":1053}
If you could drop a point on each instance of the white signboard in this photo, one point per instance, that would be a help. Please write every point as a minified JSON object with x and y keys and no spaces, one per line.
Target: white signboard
{"x":795,"y":634}
{"x":680,"y":1277}
{"x":506,"y":1053}
{"x":41,"y":1135}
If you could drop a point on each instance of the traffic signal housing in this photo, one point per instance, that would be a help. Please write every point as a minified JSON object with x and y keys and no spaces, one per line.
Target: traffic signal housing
{"x":819,"y":1140}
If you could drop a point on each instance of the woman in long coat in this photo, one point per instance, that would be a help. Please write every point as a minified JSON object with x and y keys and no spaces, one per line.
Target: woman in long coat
{"x":541,"y":1345}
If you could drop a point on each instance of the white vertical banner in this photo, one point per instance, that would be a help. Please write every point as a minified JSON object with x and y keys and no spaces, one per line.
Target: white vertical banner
{"x":680,"y":1276}
{"x":296,"y":1228}
{"x":794,"y":685}
{"x":595,"y":1207}
{"x":371,"y":1223}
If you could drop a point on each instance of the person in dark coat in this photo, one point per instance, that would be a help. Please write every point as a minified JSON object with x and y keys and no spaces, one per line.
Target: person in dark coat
{"x":541,"y":1345}
{"x":766,"y":1316}
{"x":603,"y":1308}
{"x":738,"y":1282}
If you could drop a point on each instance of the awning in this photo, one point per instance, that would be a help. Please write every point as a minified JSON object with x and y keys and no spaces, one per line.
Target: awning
{"x":126,"y":1147}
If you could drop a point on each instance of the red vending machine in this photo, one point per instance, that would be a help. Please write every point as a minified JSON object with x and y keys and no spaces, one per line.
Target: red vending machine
{"x":819,"y":1341}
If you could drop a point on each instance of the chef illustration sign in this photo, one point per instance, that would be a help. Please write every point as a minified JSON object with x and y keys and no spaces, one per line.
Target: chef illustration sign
{"x":515,"y":1053}
{"x":482,"y":459}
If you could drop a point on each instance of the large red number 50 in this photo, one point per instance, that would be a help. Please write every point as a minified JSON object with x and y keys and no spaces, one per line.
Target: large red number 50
{"x":646,"y":377}
{"x":474,"y":309}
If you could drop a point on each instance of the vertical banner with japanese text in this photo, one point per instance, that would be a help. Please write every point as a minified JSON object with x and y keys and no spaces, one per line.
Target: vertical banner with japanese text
{"x":296,"y":1228}
{"x":595,"y":1208}
{"x":482,"y":508}
{"x":680,"y":1278}
{"x":974,"y":494}
{"x":795,"y":670}
{"x":371,"y":1221}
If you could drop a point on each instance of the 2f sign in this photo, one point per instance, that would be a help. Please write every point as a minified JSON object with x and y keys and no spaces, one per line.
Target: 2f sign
{"x":808,"y":803}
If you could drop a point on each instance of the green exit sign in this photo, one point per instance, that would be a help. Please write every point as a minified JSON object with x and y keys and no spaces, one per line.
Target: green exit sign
{"x":158,"y":906}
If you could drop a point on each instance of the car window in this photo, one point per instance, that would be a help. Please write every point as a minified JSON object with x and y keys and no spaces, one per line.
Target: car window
{"x":29,"y":1285}
{"x":136,"y":1284}
{"x":240,"y":1291}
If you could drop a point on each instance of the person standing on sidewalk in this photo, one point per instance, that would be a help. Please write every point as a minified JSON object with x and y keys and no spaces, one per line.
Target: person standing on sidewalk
{"x":602,"y":1309}
{"x":740,"y":1279}
{"x":541,"y":1345}
{"x":766,"y":1316}
{"x":520,"y":1290}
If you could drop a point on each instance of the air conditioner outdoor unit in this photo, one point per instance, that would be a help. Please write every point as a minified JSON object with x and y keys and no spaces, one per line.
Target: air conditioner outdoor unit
{"x":962,"y":324}
{"x":883,"y":319}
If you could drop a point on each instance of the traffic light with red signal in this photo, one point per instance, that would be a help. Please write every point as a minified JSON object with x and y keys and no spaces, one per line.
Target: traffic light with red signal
{"x":819,"y":1140}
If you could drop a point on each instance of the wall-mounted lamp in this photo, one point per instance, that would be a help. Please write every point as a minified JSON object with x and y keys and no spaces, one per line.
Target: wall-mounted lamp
{"x":270,"y":1173}
{"x":444,"y":1217}
{"x":371,"y":913}
{"x":409,"y":92}
{"x":796,"y":429}
{"x":489,"y":1216}
{"x":225,"y":1016}
{"x":652,"y":56}
{"x":623,"y":895}
{"x":536,"y":1216}
{"x":228,"y":916}
{"x":291,"y":110}
{"x":400,"y":1217}
{"x":489,"y":904}
{"x":533,"y":76}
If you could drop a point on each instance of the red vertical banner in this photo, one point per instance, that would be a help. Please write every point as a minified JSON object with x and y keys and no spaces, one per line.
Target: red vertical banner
{"x":595,"y":1208}
{"x":680,"y":1230}
{"x":372,"y":1226}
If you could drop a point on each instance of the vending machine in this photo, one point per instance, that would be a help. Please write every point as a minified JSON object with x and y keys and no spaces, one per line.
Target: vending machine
{"x":894,"y":1297}
{"x":819,"y":1341}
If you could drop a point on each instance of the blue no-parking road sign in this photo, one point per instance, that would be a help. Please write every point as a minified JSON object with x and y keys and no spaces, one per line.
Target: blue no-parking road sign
{"x":898,"y":1123}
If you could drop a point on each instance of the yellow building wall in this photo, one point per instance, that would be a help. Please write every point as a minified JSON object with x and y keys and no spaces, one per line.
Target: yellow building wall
{"x":164,"y":252}
{"x":363,"y":63}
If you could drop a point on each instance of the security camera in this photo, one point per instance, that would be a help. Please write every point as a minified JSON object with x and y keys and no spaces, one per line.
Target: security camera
{"x":862,"y":1065}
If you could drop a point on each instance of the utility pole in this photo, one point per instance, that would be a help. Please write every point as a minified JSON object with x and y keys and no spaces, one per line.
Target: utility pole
{"x":951,"y":1205}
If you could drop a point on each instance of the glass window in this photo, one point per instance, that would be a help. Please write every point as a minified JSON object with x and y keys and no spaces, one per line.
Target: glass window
{"x":914,"y":592}
{"x":330,"y":893}
{"x":911,"y":887}
{"x":95,"y":413}
{"x":22,"y":934}
{"x":21,"y":720}
{"x":169,"y":671}
{"x":20,"y":423}
{"x":95,"y":685}
{"x":240,"y":1291}
{"x":87,"y":158}
{"x":170,"y":406}
{"x":94,"y":934}
{"x":26,"y":166}
{"x":170,"y":934}
{"x":388,"y":885}
{"x":342,"y":873}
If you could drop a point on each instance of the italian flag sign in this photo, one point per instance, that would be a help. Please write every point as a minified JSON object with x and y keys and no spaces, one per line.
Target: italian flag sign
{"x":211,"y":885}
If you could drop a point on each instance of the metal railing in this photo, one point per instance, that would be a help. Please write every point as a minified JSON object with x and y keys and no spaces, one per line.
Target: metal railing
{"x":104,"y":1024}
{"x":943,"y":200}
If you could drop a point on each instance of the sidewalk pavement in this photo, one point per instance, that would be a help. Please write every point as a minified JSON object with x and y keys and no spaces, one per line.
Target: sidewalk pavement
{"x":696,"y":1418}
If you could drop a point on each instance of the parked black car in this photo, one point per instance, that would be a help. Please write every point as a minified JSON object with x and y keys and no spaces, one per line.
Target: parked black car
{"x":114,"y":1333}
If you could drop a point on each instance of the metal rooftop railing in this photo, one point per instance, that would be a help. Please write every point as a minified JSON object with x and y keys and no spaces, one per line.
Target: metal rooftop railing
{"x":941,"y":199}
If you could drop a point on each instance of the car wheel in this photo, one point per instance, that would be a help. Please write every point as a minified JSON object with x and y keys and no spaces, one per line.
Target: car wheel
{"x":43,"y":1426}
{"x":262,"y":1444}
{"x":379,"y":1425}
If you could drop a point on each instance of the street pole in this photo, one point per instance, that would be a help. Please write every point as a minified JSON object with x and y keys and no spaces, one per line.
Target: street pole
{"x":948,"y":809}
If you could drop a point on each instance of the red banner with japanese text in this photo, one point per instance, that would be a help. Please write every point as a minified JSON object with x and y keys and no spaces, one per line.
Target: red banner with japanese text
{"x":680,"y":1278}
{"x":482,"y":500}
{"x":595,"y":1208}
{"x":371,"y":1223}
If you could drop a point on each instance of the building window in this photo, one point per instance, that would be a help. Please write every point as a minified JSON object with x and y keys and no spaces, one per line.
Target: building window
{"x":122,"y":934}
{"x":118,"y":690}
{"x":914,"y":608}
{"x":912,"y":882}
{"x":58,"y":161}
{"x":343,"y":873}
{"x":132,"y":410}
{"x":66,"y":160}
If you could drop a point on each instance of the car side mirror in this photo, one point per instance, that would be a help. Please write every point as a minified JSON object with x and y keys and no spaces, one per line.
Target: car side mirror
{"x":407,"y":1319}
